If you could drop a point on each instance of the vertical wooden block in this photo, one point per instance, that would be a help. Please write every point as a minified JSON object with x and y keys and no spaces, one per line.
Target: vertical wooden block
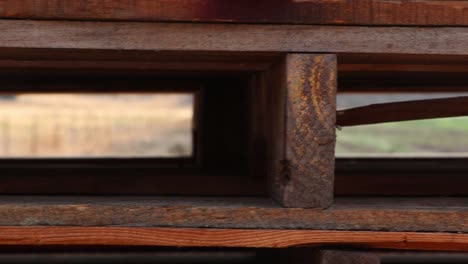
{"x":303,"y":166}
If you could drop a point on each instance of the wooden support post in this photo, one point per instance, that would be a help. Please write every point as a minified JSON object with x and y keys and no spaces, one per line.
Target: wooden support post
{"x":303,"y":166}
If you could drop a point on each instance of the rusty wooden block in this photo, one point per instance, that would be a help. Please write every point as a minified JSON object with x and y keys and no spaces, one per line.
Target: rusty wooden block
{"x":302,"y":172}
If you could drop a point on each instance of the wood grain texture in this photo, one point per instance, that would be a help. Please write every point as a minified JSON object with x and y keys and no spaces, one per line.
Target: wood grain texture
{"x":232,"y":37}
{"x":373,"y":214}
{"x":403,"y":111}
{"x":348,"y":12}
{"x":135,"y":236}
{"x":305,"y":173}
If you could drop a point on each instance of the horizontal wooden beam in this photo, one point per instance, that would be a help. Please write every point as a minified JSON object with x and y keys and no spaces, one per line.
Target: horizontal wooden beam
{"x":347,"y":12}
{"x":373,"y":214}
{"x":232,"y":37}
{"x":99,"y":66}
{"x":376,"y":87}
{"x":244,"y":238}
{"x":397,"y":67}
{"x":402,"y":184}
{"x":401,"y":176}
{"x":398,"y":256}
{"x":403,"y":111}
{"x":344,"y":257}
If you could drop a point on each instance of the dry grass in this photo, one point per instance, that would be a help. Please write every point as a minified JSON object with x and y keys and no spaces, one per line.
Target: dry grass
{"x":70,"y":125}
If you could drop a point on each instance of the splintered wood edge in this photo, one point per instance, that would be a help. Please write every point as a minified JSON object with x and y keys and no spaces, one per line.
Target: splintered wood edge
{"x":185,"y":237}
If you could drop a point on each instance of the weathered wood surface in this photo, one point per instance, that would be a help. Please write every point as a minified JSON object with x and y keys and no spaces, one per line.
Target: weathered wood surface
{"x":179,"y":237}
{"x":375,"y":214}
{"x":403,"y":111}
{"x":232,"y":37}
{"x":349,"y":12}
{"x":304,"y":174}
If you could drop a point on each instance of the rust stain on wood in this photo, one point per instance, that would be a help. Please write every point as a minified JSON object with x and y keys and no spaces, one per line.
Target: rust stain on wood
{"x":310,"y":132}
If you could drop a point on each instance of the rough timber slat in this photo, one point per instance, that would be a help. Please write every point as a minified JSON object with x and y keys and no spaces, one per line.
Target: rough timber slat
{"x":351,"y":12}
{"x":135,"y":236}
{"x":403,"y":111}
{"x":373,"y":214}
{"x":232,"y":37}
{"x":304,"y":175}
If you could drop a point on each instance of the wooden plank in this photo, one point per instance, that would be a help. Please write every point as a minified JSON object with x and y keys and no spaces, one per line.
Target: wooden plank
{"x":403,"y":111}
{"x":112,"y":61}
{"x":232,"y":37}
{"x":373,"y":214}
{"x":346,"y":257}
{"x":303,"y":172}
{"x":240,"y":238}
{"x":126,"y":66}
{"x":136,"y":256}
{"x":348,"y":12}
{"x":395,"y":67}
{"x":305,"y":255}
{"x":375,"y":87}
{"x":401,"y":176}
{"x":400,"y":257}
{"x":76,"y":181}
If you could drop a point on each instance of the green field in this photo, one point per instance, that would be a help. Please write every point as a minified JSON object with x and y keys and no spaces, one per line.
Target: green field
{"x":444,"y":136}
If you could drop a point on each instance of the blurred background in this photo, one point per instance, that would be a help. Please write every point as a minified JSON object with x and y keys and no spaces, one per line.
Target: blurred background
{"x":96,"y":125}
{"x":431,"y":137}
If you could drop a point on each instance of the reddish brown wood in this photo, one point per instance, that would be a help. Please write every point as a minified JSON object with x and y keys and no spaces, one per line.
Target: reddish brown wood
{"x":126,"y":66}
{"x":303,"y":171}
{"x":403,"y":111}
{"x":134,"y":236}
{"x":403,"y":176}
{"x":403,"y":184}
{"x":399,"y":67}
{"x":348,"y":12}
{"x":125,"y":183}
{"x":178,"y":37}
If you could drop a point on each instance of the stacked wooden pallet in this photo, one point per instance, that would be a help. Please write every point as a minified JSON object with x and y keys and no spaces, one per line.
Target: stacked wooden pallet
{"x":274,"y":184}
